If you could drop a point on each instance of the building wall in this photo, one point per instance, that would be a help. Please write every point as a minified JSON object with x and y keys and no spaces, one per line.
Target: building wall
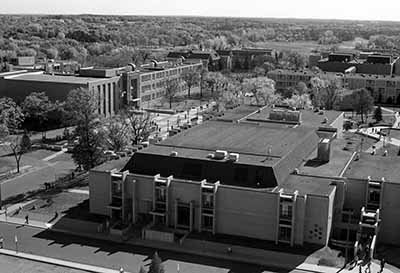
{"x":300,"y":220}
{"x":334,"y":66}
{"x":100,"y":192}
{"x":379,"y":69}
{"x":390,"y":214}
{"x":239,"y":211}
{"x":185,"y":192}
{"x":318,"y":219}
{"x":18,"y":89}
{"x":246,"y":212}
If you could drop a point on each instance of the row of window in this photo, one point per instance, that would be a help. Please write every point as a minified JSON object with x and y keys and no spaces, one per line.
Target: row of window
{"x":170,"y":72}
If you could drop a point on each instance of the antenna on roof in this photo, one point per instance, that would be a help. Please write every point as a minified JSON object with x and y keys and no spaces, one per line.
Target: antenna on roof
{"x":269,"y":152}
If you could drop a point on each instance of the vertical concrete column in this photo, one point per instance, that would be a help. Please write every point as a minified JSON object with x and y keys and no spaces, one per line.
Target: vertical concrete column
{"x":176,"y":213}
{"x":191,"y":207}
{"x":278,"y":202}
{"x":134,"y":202}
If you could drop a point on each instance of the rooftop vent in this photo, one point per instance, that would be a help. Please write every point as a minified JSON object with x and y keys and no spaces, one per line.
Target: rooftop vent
{"x":174,"y":153}
{"x":234,"y":157}
{"x":220,"y":154}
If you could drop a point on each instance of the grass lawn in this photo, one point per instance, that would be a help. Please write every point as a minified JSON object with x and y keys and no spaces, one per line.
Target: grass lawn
{"x":45,"y":207}
{"x":33,"y":158}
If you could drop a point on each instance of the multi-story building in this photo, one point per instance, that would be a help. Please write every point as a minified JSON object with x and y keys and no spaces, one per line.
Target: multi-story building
{"x":103,"y":83}
{"x":232,"y":176}
{"x":146,"y":85}
{"x":384,"y":88}
{"x":210,"y":59}
{"x":366,"y":63}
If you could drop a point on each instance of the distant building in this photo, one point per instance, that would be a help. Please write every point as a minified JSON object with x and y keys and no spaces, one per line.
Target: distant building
{"x":384,"y":88}
{"x":145,"y":85}
{"x":103,"y":83}
{"x":373,"y":63}
{"x":210,"y":59}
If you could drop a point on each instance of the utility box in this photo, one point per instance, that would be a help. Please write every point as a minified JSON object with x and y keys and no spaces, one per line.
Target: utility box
{"x":324,"y":150}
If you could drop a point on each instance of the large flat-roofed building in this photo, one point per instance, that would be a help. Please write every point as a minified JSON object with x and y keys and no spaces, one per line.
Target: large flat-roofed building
{"x":232,"y":176}
{"x":145,"y":85}
{"x":366,"y":63}
{"x":18,"y":85}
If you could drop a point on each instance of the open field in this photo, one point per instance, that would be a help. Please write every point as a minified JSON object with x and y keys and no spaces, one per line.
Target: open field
{"x":36,"y":171}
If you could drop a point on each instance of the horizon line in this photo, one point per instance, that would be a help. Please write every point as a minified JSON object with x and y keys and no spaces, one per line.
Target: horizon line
{"x":201,"y":16}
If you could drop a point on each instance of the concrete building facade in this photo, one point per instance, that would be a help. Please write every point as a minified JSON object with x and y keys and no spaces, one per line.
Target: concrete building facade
{"x":246,"y":189}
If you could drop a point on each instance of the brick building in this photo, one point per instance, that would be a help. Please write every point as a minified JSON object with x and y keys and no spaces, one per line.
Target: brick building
{"x":384,"y":88}
{"x":145,"y":86}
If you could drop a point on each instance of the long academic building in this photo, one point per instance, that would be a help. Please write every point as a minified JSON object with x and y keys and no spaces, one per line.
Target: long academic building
{"x":383,"y":88}
{"x":113,"y":87}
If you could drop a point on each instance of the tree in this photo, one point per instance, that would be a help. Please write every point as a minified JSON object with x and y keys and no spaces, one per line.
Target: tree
{"x":81,"y":108}
{"x":142,"y":270}
{"x":139,"y":125}
{"x":192,"y":78}
{"x":378,"y":114}
{"x":325,"y":92}
{"x":156,"y":265}
{"x":203,"y":77}
{"x":262,"y":89}
{"x":18,"y":146}
{"x":362,"y":102}
{"x":294,"y":60}
{"x":36,"y":108}
{"x":299,"y":101}
{"x":171,"y":89}
{"x":116,"y":133}
{"x":11,"y":116}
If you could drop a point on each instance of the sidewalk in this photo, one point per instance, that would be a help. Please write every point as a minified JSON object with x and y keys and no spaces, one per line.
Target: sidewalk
{"x":73,"y":265}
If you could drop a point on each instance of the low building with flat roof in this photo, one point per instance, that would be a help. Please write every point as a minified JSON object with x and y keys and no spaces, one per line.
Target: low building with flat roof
{"x":233,"y":177}
{"x":19,"y":85}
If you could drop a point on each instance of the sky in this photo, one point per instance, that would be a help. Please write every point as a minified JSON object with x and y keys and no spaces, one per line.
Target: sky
{"x":320,"y":9}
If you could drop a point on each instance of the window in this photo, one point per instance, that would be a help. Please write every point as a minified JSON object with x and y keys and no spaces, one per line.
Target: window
{"x":207,"y":222}
{"x":285,"y":234}
{"x":208,"y":200}
{"x":374,"y":196}
{"x":286,"y":210}
{"x":160,"y":194}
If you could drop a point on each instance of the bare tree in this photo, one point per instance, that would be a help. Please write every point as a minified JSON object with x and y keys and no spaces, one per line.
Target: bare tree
{"x":139,"y":125}
{"x":18,"y":146}
{"x":171,"y":89}
{"x":116,"y":133}
{"x":192,"y":78}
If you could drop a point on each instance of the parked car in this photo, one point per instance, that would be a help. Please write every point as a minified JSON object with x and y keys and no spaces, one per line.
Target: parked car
{"x":111,"y":154}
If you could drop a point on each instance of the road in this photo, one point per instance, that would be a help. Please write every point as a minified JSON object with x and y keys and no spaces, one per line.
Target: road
{"x":111,"y":255}
{"x":18,"y":265}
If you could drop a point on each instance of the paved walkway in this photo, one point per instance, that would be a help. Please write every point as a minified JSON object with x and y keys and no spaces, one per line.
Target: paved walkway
{"x":74,"y":265}
{"x":50,"y":157}
{"x":210,"y":249}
